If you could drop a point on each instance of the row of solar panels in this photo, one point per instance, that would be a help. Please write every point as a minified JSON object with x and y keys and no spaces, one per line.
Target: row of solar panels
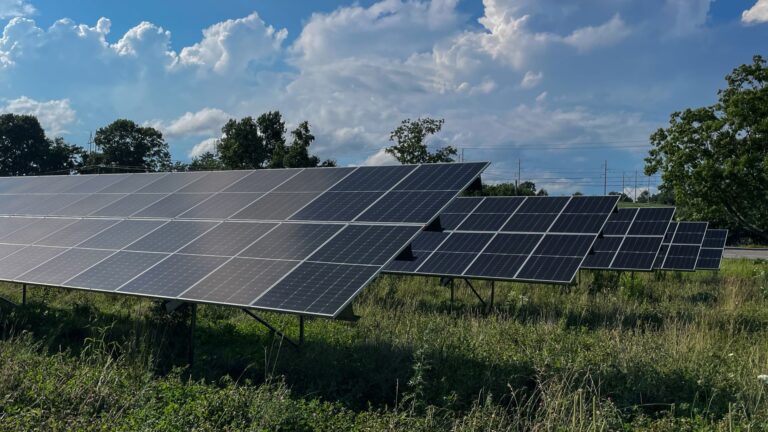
{"x":296,"y":240}
{"x":531,"y":239}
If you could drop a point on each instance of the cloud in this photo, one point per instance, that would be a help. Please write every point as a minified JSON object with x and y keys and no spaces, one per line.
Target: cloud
{"x":54,"y":115}
{"x":381,"y":157}
{"x":233,"y":45}
{"x":756,"y":14}
{"x":207,"y":145}
{"x":588,"y":38}
{"x":207,"y":121}
{"x":687,"y":16}
{"x":15,"y":8}
{"x":531,"y":79}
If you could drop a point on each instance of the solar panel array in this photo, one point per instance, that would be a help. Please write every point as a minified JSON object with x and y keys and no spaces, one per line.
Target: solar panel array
{"x":631,"y":239}
{"x":295,"y":240}
{"x":536,"y":239}
{"x":712,"y":249}
{"x":681,"y":246}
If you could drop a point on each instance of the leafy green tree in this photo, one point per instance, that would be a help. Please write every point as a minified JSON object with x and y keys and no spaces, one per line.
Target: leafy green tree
{"x":410,"y":146}
{"x":25,"y":150}
{"x":297,"y":155}
{"x":241,"y":145}
{"x":206,"y":162}
{"x":526,"y":188}
{"x":714,"y":159}
{"x":272,"y":130}
{"x":126,"y":144}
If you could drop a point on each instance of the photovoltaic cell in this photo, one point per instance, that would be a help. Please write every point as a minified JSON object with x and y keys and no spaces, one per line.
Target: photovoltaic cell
{"x":276,"y":206}
{"x":95,"y":183}
{"x":171,"y":237}
{"x":20,"y":262}
{"x":314,"y":180}
{"x":76,"y":233}
{"x":214,"y":181}
{"x":407,"y":207}
{"x":111,"y":273}
{"x":222,"y":205}
{"x":10,"y":224}
{"x":172,"y":205}
{"x":500,"y":266}
{"x":173,"y":276}
{"x":64,"y":267}
{"x":501,"y":205}
{"x":465,"y":242}
{"x":128,"y":205}
{"x":239,"y":281}
{"x":172,"y":182}
{"x":365,"y":244}
{"x":89,"y":204}
{"x":262,"y":180}
{"x":317,"y":288}
{"x":513,"y":244}
{"x":132,"y":183}
{"x":45,"y":205}
{"x":447,"y":263}
{"x":464,"y":205}
{"x":556,"y":269}
{"x":483,"y":222}
{"x":36,"y":231}
{"x":121,"y":234}
{"x":337,"y":206}
{"x":373,"y":179}
{"x":228,"y":238}
{"x":711,"y":253}
{"x":445,"y":177}
{"x":292,"y":241}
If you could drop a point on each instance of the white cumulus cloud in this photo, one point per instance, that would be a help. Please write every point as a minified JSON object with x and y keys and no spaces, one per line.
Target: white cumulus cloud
{"x":207,"y":121}
{"x":54,"y":115}
{"x":15,"y":8}
{"x":588,"y":38}
{"x":756,"y":14}
{"x":531,"y":79}
{"x":205,"y":146}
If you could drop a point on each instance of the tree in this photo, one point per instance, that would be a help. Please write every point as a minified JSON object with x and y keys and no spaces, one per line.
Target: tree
{"x":126,"y":144}
{"x":206,"y":162}
{"x":272,"y":131}
{"x":623,"y":197}
{"x":526,"y":188}
{"x":714,"y":159}
{"x":297,"y":155}
{"x":241,"y":146}
{"x":410,"y":147}
{"x":25,"y":150}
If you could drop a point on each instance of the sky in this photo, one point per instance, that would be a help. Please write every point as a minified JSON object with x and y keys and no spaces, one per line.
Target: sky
{"x":556,"y":88}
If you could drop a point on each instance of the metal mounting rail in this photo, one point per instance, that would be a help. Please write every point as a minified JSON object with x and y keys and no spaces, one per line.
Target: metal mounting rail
{"x":271,"y":328}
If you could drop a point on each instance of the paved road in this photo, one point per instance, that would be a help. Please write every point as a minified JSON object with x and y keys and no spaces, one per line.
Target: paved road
{"x":746,"y":253}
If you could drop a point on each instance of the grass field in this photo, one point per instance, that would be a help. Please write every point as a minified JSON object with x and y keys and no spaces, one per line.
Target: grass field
{"x":662,"y":352}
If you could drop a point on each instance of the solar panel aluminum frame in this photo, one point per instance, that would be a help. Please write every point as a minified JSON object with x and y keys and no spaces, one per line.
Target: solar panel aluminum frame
{"x":496,"y":233}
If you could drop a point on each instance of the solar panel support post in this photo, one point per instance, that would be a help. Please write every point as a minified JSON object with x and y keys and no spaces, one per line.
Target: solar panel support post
{"x":493,"y":293}
{"x":192,"y":325}
{"x":272,"y":329}
{"x":476,"y":293}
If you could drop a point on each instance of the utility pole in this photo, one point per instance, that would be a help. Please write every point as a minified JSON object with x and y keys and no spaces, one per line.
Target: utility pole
{"x":517,"y":183}
{"x":635,"y":185}
{"x":605,"y":178}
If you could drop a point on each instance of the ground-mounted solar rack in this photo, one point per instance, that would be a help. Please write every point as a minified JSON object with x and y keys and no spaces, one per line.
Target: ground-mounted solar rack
{"x":711,"y":254}
{"x":523,"y":239}
{"x":631,"y":240}
{"x":681,"y":246}
{"x":301,"y":241}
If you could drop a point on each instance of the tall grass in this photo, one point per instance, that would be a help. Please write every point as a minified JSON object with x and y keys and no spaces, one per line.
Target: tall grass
{"x":653,"y":352}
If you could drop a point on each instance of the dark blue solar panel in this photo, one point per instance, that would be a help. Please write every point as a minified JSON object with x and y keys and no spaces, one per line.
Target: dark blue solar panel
{"x":634,"y":261}
{"x":215,"y":181}
{"x":172,"y":206}
{"x":591,"y":204}
{"x":623,"y":214}
{"x":543,"y":205}
{"x":709,"y":259}
{"x":132,"y":183}
{"x":435,"y":177}
{"x":222,"y":205}
{"x":579,"y":223}
{"x":276,"y":206}
{"x":681,"y":257}
{"x":322,"y":289}
{"x":451,"y":221}
{"x":228,"y":238}
{"x":565,"y":245}
{"x":517,"y":244}
{"x":617,"y":228}
{"x":447,"y":263}
{"x":599,"y":260}
{"x":484,"y":222}
{"x":314,"y":180}
{"x":428,"y":240}
{"x":171,"y":236}
{"x":173,"y":276}
{"x":641,"y":244}
{"x":466,"y":242}
{"x":506,"y":205}
{"x":89,"y":204}
{"x":128,"y":205}
{"x":262,"y":180}
{"x":656,"y":214}
{"x":372,"y":179}
{"x":556,"y":269}
{"x":292,"y":241}
{"x":64,"y":267}
{"x":463,"y":205}
{"x":651,"y":228}
{"x":122,"y":234}
{"x":715,"y":238}
{"x":172,"y":182}
{"x":407,"y":207}
{"x":530,"y":222}
{"x":365,"y":244}
{"x":496,"y":266}
{"x":407,"y":265}
{"x":337,"y":206}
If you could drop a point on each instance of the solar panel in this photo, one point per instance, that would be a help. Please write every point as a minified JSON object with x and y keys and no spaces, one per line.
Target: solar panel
{"x":711,"y":253}
{"x":535,"y":239}
{"x":681,"y":246}
{"x":631,"y":239}
{"x":293,"y":240}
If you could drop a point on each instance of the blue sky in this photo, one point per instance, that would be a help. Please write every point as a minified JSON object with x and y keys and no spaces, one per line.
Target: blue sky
{"x":559,"y":85}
